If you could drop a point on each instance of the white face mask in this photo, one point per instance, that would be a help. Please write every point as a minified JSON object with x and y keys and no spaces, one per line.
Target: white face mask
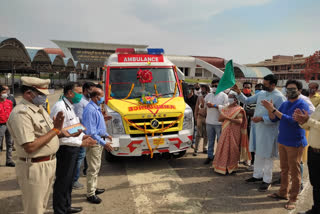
{"x":230,"y":100}
{"x":4,"y":96}
{"x":213,"y":90}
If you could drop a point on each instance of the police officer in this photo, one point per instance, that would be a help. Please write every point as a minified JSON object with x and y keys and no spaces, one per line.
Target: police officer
{"x":36,"y":139}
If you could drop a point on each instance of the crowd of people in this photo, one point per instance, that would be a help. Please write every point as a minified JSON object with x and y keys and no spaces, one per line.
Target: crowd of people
{"x":252,"y":127}
{"x":257,"y":127}
{"x":51,"y":145}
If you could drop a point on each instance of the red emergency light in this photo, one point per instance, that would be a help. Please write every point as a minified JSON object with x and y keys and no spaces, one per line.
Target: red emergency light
{"x":125,"y":51}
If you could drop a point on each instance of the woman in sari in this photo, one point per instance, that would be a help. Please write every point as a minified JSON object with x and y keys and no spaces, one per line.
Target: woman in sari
{"x":233,"y":144}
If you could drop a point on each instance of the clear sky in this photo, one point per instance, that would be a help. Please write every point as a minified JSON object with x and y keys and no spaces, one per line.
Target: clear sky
{"x":247,"y":31}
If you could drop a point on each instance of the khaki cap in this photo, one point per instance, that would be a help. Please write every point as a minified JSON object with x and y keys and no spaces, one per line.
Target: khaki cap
{"x":41,"y":85}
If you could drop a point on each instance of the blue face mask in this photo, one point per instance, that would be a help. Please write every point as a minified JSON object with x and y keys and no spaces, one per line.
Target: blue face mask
{"x":99,"y":102}
{"x":257,"y":91}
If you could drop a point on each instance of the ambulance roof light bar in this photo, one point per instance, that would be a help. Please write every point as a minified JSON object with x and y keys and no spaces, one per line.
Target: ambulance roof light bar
{"x":156,"y":51}
{"x":141,"y":51}
{"x":125,"y":51}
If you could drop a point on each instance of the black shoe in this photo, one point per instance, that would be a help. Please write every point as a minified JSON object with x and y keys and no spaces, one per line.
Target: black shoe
{"x":99,"y":191}
{"x":84,"y":172}
{"x":205,"y":151}
{"x":74,"y":210}
{"x":94,"y":199}
{"x":195,"y":153}
{"x":264,"y":187}
{"x":10,"y":164}
{"x":253,"y":179}
{"x":208,"y":161}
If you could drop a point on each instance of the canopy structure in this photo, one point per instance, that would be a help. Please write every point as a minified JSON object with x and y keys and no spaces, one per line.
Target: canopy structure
{"x":13,"y":55}
{"x":57,"y":62}
{"x":70,"y":66}
{"x":251,"y":72}
{"x":78,"y":66}
{"x":40,"y":60}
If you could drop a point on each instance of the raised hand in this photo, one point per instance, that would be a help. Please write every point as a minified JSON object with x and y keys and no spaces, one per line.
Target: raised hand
{"x":300,"y":117}
{"x":236,"y":89}
{"x":58,"y":121}
{"x":268,"y":105}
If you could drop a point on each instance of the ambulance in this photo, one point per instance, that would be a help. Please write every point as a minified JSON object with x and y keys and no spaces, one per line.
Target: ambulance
{"x":143,"y":95}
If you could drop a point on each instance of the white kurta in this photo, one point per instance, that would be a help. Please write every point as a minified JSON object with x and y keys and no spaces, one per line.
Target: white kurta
{"x":264,"y":135}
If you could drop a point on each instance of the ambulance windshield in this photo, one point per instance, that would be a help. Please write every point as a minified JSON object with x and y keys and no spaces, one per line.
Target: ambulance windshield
{"x":121,"y":80}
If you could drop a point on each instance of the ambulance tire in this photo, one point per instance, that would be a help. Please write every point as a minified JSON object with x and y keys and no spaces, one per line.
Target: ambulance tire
{"x":181,"y":154}
{"x":109,"y":157}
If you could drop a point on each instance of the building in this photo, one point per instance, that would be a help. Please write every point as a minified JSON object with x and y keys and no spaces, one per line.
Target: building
{"x":92,"y":53}
{"x":284,"y":67}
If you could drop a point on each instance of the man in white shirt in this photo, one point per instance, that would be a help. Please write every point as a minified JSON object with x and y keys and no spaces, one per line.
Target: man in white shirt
{"x":68,"y":151}
{"x":214,"y":103}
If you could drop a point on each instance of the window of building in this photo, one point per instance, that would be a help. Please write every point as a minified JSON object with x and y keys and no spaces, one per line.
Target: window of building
{"x":186,"y":72}
{"x":198,"y":72}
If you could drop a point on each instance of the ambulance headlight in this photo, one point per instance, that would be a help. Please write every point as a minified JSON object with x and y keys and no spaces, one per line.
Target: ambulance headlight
{"x":188,"y":118}
{"x":115,"y":124}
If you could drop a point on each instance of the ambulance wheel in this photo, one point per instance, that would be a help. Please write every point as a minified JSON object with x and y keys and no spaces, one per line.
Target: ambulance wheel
{"x":109,"y":157}
{"x":179,"y":154}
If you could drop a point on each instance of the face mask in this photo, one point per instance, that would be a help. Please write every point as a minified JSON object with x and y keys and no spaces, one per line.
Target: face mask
{"x":4,"y":96}
{"x":77,"y":97}
{"x":231,"y":100}
{"x":100,"y":101}
{"x":39,"y":100}
{"x":203,"y":93}
{"x":247,"y":91}
{"x":213,"y":90}
{"x":8,"y":92}
{"x":292,"y":93}
{"x":257,"y":91}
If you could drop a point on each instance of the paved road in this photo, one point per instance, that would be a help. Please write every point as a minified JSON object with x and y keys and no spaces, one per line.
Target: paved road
{"x":145,"y":186}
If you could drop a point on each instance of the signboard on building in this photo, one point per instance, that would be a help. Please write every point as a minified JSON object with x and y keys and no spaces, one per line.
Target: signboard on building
{"x":92,"y":57}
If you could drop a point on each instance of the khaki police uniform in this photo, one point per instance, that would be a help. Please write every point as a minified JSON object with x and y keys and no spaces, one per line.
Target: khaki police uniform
{"x":35,"y":171}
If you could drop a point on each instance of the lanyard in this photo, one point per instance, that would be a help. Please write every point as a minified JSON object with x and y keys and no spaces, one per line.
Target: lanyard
{"x":67,"y":106}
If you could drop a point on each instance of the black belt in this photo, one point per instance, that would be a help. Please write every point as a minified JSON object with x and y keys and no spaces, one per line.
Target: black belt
{"x":2,"y":124}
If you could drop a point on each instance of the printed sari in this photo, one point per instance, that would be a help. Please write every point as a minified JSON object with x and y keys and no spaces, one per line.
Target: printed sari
{"x":233,"y":144}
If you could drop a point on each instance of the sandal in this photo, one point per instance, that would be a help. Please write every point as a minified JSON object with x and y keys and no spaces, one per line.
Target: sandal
{"x":277,"y":196}
{"x":291,"y":205}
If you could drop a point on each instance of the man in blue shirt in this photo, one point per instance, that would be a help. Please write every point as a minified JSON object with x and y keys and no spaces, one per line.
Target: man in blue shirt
{"x":291,"y":141}
{"x":78,"y":109}
{"x":94,"y":121}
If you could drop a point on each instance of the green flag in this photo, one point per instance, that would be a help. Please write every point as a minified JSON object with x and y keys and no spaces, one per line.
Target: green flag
{"x":227,"y":80}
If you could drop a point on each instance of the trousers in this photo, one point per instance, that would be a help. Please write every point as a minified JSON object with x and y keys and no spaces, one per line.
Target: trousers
{"x":66,"y":168}
{"x":213,"y":131}
{"x":35,"y":181}
{"x":262,"y":168}
{"x":290,"y":158}
{"x":94,"y":163}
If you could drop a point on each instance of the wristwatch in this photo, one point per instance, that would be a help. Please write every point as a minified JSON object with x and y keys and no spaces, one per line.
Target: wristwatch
{"x":274,"y":110}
